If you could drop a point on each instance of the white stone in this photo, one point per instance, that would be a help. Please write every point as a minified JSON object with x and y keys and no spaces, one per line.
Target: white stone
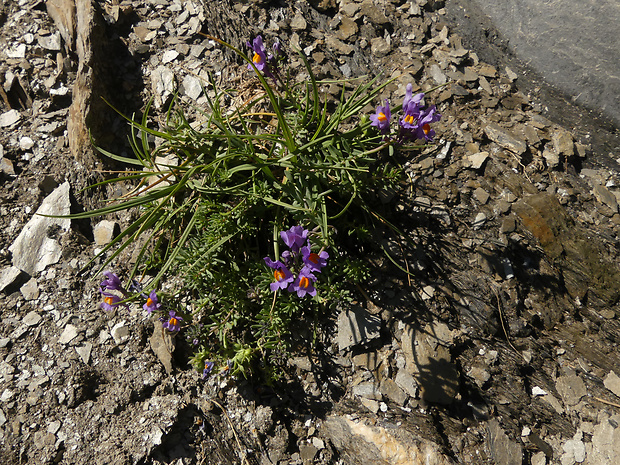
{"x":318,"y":443}
{"x":539,"y":458}
{"x":54,"y":426}
{"x":84,"y":352}
{"x":162,"y":83}
{"x":7,"y":395}
{"x":476,"y":160}
{"x":30,"y":290}
{"x":17,"y":51}
{"x":68,"y":334}
{"x":51,"y":42}
{"x":31,"y":319}
{"x":120,"y":332}
{"x":26,"y":143}
{"x":9,"y":118}
{"x":9,"y":276}
{"x":169,"y":56}
{"x":612,"y":382}
{"x":34,"y":249}
{"x":427,"y":292}
{"x":479,"y":220}
{"x":103,"y":232}
{"x":192,"y":87}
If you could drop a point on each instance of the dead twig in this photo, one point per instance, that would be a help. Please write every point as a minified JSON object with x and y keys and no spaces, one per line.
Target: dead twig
{"x":603,"y":401}
{"x":501,"y":319}
{"x":244,"y":460}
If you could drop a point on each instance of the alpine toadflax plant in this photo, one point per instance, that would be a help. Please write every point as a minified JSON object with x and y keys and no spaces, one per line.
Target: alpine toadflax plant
{"x":113,"y":293}
{"x":266,"y":63}
{"x":381,"y":118}
{"x":300,"y":259}
{"x":414,"y":124}
{"x":281,"y":273}
{"x":173,"y":322}
{"x":152,"y":304}
{"x":110,"y":300}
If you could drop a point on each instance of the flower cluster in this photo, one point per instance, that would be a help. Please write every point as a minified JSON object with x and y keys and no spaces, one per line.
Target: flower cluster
{"x":172,"y":323}
{"x":299,"y":257}
{"x":112,"y":300}
{"x":267,"y":63}
{"x":209,"y":366}
{"x":415,"y":123}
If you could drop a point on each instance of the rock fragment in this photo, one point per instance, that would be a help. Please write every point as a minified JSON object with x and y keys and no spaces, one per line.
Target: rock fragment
{"x":120,"y":332}
{"x":9,"y":118}
{"x":406,"y":382}
{"x":357,"y":327}
{"x":30,"y":290}
{"x":84,"y":352}
{"x":605,"y":443}
{"x":162,"y":84}
{"x":392,"y":391}
{"x":298,"y":23}
{"x":563,"y":143}
{"x":428,"y":360}
{"x":502,"y":448}
{"x":31,"y":319}
{"x":37,"y":246}
{"x":104,"y":232}
{"x":358,"y":441}
{"x":612,"y":382}
{"x":10,"y":278}
{"x":571,"y":388}
{"x":69,"y":333}
{"x":504,"y":138}
{"x":476,"y":160}
{"x":605,"y":196}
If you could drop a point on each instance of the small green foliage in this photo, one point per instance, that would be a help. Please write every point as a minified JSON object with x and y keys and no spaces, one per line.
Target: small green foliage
{"x":217,"y":195}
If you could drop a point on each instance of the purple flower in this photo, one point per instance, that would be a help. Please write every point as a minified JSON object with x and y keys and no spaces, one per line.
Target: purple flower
{"x":426,"y":117}
{"x":304,"y":284}
{"x":411,"y":99}
{"x":174,"y":322}
{"x":287,"y":258}
{"x":281,"y":273}
{"x":277,"y":49}
{"x":152,"y":303}
{"x":112,"y":283}
{"x":411,"y":110}
{"x":208,"y":369}
{"x":381,"y":118}
{"x":260,"y":54}
{"x":313,"y":261}
{"x":410,"y":119}
{"x":110,"y":301}
{"x":294,"y":238}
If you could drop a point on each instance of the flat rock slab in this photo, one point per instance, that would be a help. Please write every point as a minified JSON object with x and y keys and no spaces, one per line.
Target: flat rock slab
{"x":36,"y":247}
{"x":428,"y":360}
{"x":357,"y":327}
{"x":574,"y":45}
{"x":502,"y":448}
{"x":504,"y":138}
{"x":584,"y":262}
{"x":359,"y":442}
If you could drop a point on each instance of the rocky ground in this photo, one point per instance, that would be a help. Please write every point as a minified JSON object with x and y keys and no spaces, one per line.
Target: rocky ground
{"x":501,"y":350}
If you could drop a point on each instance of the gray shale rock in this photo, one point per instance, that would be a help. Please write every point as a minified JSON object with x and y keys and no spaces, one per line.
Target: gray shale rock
{"x":504,"y":138}
{"x":357,"y":327}
{"x":427,"y":352}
